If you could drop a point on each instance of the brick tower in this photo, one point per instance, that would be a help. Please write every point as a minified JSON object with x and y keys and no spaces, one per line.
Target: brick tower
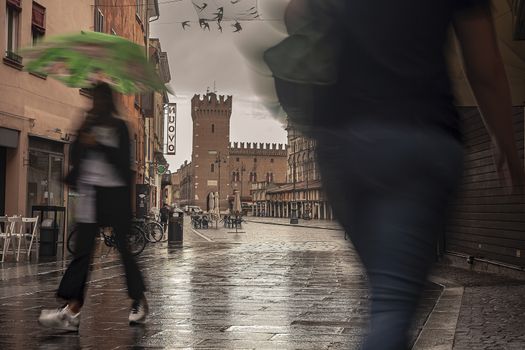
{"x":211,"y":138}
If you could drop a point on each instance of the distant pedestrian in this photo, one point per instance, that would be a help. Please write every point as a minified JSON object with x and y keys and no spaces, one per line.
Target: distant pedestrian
{"x":368,"y":80}
{"x":165,"y":214}
{"x":101,"y":174}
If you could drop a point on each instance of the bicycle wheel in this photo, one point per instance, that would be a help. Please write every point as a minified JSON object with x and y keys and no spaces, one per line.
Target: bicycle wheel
{"x":149,"y":238}
{"x":71,"y":241}
{"x":154,"y":231}
{"x":136,"y":240}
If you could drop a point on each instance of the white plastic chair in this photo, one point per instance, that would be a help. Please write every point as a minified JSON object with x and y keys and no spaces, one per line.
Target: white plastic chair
{"x":34,"y":224}
{"x":5,"y":235}
{"x":20,"y":234}
{"x":7,"y":226}
{"x":16,"y":230}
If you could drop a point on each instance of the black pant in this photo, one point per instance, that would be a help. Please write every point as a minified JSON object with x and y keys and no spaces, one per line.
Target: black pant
{"x":390,"y":187}
{"x":73,"y":284}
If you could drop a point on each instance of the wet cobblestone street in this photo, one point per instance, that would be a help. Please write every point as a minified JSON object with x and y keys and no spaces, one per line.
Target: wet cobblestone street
{"x":271,"y":287}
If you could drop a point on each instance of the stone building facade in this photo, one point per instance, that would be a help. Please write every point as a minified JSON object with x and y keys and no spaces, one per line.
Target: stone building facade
{"x":39,"y":115}
{"x":302,"y":188}
{"x":133,"y":23}
{"x":219,"y":166}
{"x":250,"y":163}
{"x":153,"y":109}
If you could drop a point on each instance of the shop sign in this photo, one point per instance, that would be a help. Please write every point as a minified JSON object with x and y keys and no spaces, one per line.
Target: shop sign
{"x":171,"y":115}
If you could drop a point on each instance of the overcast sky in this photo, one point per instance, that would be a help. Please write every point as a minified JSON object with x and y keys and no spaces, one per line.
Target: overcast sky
{"x":199,"y":58}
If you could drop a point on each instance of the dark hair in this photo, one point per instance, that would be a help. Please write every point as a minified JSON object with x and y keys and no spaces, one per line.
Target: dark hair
{"x":103,"y":100}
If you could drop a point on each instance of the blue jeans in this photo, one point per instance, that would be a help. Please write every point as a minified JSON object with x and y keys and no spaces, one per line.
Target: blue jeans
{"x":390,"y":186}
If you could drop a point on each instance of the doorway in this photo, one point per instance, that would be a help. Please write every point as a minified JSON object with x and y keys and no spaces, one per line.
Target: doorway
{"x":3,"y":170}
{"x":45,"y":174}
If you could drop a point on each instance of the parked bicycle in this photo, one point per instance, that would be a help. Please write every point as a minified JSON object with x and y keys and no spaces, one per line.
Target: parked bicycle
{"x":136,"y":240}
{"x":153,"y":229}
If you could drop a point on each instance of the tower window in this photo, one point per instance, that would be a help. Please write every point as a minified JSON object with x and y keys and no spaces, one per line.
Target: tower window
{"x":271,"y":160}
{"x":237,"y":159}
{"x":212,"y":168}
{"x":255,"y":160}
{"x":213,"y":128}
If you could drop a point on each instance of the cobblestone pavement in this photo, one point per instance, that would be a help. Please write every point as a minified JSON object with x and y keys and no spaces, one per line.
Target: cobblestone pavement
{"x":269,"y":287}
{"x":492,"y":314}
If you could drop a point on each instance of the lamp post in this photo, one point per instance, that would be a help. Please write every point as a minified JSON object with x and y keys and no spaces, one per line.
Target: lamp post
{"x":243,"y":169}
{"x":293,"y":215}
{"x":219,"y":160}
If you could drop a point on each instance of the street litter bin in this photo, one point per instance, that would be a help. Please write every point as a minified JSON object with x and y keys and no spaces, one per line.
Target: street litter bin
{"x":48,"y":237}
{"x":50,"y":228}
{"x":175,"y":227}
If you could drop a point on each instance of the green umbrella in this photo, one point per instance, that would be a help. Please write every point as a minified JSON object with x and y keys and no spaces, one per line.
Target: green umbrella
{"x":82,"y":60}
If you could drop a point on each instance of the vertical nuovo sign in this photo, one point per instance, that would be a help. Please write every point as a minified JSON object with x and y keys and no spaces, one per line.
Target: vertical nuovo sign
{"x":171,"y":116}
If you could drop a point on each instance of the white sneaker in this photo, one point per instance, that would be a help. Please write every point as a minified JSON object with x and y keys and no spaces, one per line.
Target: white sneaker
{"x":139,"y":311}
{"x":61,"y":318}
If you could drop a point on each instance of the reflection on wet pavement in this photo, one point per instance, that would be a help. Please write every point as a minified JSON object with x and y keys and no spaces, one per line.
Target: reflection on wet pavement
{"x":273,"y":287}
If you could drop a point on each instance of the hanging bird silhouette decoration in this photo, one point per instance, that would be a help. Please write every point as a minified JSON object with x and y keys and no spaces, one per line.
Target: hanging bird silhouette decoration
{"x":237,"y":27}
{"x":219,"y":15}
{"x":204,"y":24}
{"x":185,"y":24}
{"x":201,"y":8}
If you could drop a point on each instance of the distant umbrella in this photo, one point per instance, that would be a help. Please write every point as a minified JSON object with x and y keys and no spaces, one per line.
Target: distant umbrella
{"x":237,"y":208}
{"x":216,"y":206}
{"x":211,"y":202}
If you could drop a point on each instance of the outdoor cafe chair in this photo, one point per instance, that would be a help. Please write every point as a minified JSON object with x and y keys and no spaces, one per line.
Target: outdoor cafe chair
{"x":33,"y":225}
{"x":18,"y":231}
{"x":6,"y":227}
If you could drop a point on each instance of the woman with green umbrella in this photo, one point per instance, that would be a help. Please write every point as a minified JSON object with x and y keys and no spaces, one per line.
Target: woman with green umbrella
{"x":101,"y":174}
{"x":101,"y":157}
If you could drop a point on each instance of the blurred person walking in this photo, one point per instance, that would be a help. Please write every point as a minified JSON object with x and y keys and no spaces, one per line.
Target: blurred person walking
{"x":368,"y":80}
{"x":165,"y":215}
{"x":101,"y":174}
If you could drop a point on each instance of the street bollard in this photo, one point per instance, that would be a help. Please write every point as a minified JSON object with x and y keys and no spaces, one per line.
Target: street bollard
{"x":175,"y":228}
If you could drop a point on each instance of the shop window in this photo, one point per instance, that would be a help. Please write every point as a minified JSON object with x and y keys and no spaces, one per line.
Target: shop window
{"x":45,"y":173}
{"x":38,"y":23}
{"x":12,"y":32}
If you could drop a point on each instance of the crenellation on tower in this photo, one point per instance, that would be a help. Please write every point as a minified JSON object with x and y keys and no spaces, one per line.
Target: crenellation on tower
{"x":211,"y":104}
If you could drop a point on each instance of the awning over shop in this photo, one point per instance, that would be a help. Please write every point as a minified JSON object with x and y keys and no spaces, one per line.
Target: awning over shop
{"x":9,"y":138}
